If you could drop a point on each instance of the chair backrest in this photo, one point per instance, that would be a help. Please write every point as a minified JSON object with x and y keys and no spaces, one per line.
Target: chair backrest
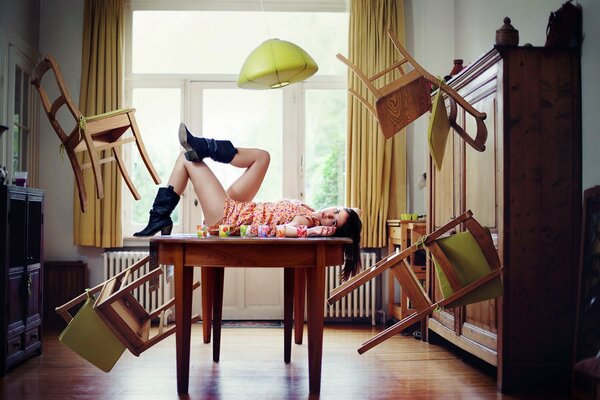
{"x":63,"y":98}
{"x":407,"y":97}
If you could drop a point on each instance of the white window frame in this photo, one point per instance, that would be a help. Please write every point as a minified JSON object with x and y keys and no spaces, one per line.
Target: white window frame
{"x":15,"y":51}
{"x":293,"y":95}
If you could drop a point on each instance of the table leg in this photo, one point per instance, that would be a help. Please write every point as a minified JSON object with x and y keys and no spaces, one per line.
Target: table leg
{"x":218,"y":280}
{"x":299,"y":298}
{"x":183,"y":278}
{"x":315,"y":284}
{"x":288,"y":309}
{"x":207,"y":277}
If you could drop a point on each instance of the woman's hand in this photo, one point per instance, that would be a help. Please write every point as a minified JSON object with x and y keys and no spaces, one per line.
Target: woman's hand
{"x":321,"y":231}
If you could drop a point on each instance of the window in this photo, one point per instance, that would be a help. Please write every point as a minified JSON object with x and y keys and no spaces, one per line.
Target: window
{"x":18,"y":144}
{"x":182,"y":65}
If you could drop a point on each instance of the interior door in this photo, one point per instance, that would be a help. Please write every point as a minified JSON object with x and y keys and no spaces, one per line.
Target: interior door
{"x":248,"y":118}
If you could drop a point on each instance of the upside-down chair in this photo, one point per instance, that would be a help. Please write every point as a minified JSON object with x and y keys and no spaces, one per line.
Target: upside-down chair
{"x":466,"y":264}
{"x":403,"y":100}
{"x":114,"y":320}
{"x":91,"y":134}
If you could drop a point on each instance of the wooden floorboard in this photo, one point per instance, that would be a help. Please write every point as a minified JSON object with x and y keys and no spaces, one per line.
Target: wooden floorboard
{"x":252,"y":367}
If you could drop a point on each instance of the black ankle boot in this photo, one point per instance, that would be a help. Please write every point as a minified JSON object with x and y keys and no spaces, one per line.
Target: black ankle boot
{"x":199,"y":148}
{"x":160,"y":215}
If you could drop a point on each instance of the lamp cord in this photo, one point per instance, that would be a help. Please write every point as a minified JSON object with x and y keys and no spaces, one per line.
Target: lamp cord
{"x":265,"y":16}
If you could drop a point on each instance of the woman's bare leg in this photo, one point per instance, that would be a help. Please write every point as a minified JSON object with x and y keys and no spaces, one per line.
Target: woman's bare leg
{"x":208,"y":189}
{"x":256,"y":162}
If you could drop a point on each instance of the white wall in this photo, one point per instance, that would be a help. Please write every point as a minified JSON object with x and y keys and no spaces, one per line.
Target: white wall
{"x":590,"y":76}
{"x":61,"y":25}
{"x":430,"y":40}
{"x":437,"y":32}
{"x":21,"y":18}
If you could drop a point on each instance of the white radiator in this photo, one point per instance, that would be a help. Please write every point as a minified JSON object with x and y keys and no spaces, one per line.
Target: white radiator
{"x":117,"y":261}
{"x":360,"y":303}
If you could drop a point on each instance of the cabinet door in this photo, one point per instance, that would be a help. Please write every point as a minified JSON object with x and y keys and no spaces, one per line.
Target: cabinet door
{"x":14,"y":294}
{"x":445,"y":192}
{"x":469,"y":182}
{"x":34,"y":229}
{"x":33,"y":297}
{"x":17,"y":236}
{"x":443,"y":188}
{"x":33,"y":293}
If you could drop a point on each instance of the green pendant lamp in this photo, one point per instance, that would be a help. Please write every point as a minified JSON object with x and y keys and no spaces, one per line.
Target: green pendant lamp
{"x":274,"y":64}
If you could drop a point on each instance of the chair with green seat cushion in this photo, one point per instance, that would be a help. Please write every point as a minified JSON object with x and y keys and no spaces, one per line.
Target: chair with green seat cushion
{"x":87,"y":335}
{"x":99,"y":137}
{"x":469,"y":263}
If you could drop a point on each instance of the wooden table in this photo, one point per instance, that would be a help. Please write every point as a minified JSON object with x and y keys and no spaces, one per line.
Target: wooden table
{"x":299,"y":258}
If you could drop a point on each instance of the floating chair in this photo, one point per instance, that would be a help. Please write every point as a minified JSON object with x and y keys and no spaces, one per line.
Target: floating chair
{"x":114,"y":320}
{"x":466,"y":264}
{"x":87,"y":335}
{"x":91,"y":134}
{"x":406,"y":98}
{"x":126,"y":317}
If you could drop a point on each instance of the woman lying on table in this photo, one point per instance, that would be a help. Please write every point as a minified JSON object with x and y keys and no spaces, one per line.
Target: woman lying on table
{"x":235,"y":208}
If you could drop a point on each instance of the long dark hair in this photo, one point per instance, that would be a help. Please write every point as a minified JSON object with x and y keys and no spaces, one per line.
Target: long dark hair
{"x":351,"y":229}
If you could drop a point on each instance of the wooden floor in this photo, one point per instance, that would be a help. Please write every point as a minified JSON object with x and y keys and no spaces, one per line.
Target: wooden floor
{"x":252,"y":367}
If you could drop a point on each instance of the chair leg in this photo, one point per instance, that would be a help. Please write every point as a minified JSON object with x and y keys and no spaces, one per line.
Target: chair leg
{"x":370,"y":273}
{"x":395,"y":329}
{"x":78,"y":180}
{"x":95,"y":164}
{"x":125,"y":174}
{"x":142,"y":149}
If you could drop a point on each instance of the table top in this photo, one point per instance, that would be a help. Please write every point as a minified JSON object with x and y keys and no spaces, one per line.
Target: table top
{"x":233,"y":240}
{"x":235,"y":251}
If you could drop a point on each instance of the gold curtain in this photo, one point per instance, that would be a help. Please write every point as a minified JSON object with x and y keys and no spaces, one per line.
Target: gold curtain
{"x":376,"y":167}
{"x":101,"y":88}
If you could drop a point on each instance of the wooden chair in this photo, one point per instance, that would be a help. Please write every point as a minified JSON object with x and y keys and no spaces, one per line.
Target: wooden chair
{"x":126,"y":317}
{"x":405,"y":99}
{"x":91,"y":134}
{"x":470,"y":273}
{"x":87,"y":335}
{"x":122,"y":314}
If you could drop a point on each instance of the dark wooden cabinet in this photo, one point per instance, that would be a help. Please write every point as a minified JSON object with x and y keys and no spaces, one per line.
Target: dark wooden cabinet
{"x":21,"y":222}
{"x":526,"y":187}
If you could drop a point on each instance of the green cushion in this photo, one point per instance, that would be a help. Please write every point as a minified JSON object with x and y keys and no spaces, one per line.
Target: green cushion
{"x":87,"y":335}
{"x":470,"y":264}
{"x":439,"y":126}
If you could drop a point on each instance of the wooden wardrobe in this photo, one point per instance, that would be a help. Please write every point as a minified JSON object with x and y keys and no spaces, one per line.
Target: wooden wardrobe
{"x":526,"y":187}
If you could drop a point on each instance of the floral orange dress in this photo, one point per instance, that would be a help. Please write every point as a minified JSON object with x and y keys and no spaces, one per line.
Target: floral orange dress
{"x":238,"y":213}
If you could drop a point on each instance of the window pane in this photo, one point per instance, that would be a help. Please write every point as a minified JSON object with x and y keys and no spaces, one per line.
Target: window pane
{"x":217,"y":42}
{"x":325,"y":147}
{"x":16,"y":149}
{"x":249,"y":119}
{"x":26,"y":87}
{"x":17,"y":145}
{"x":158,"y":113}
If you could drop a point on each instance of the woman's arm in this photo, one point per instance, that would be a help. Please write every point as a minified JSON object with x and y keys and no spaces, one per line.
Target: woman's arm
{"x":291,"y":227}
{"x":292,"y":230}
